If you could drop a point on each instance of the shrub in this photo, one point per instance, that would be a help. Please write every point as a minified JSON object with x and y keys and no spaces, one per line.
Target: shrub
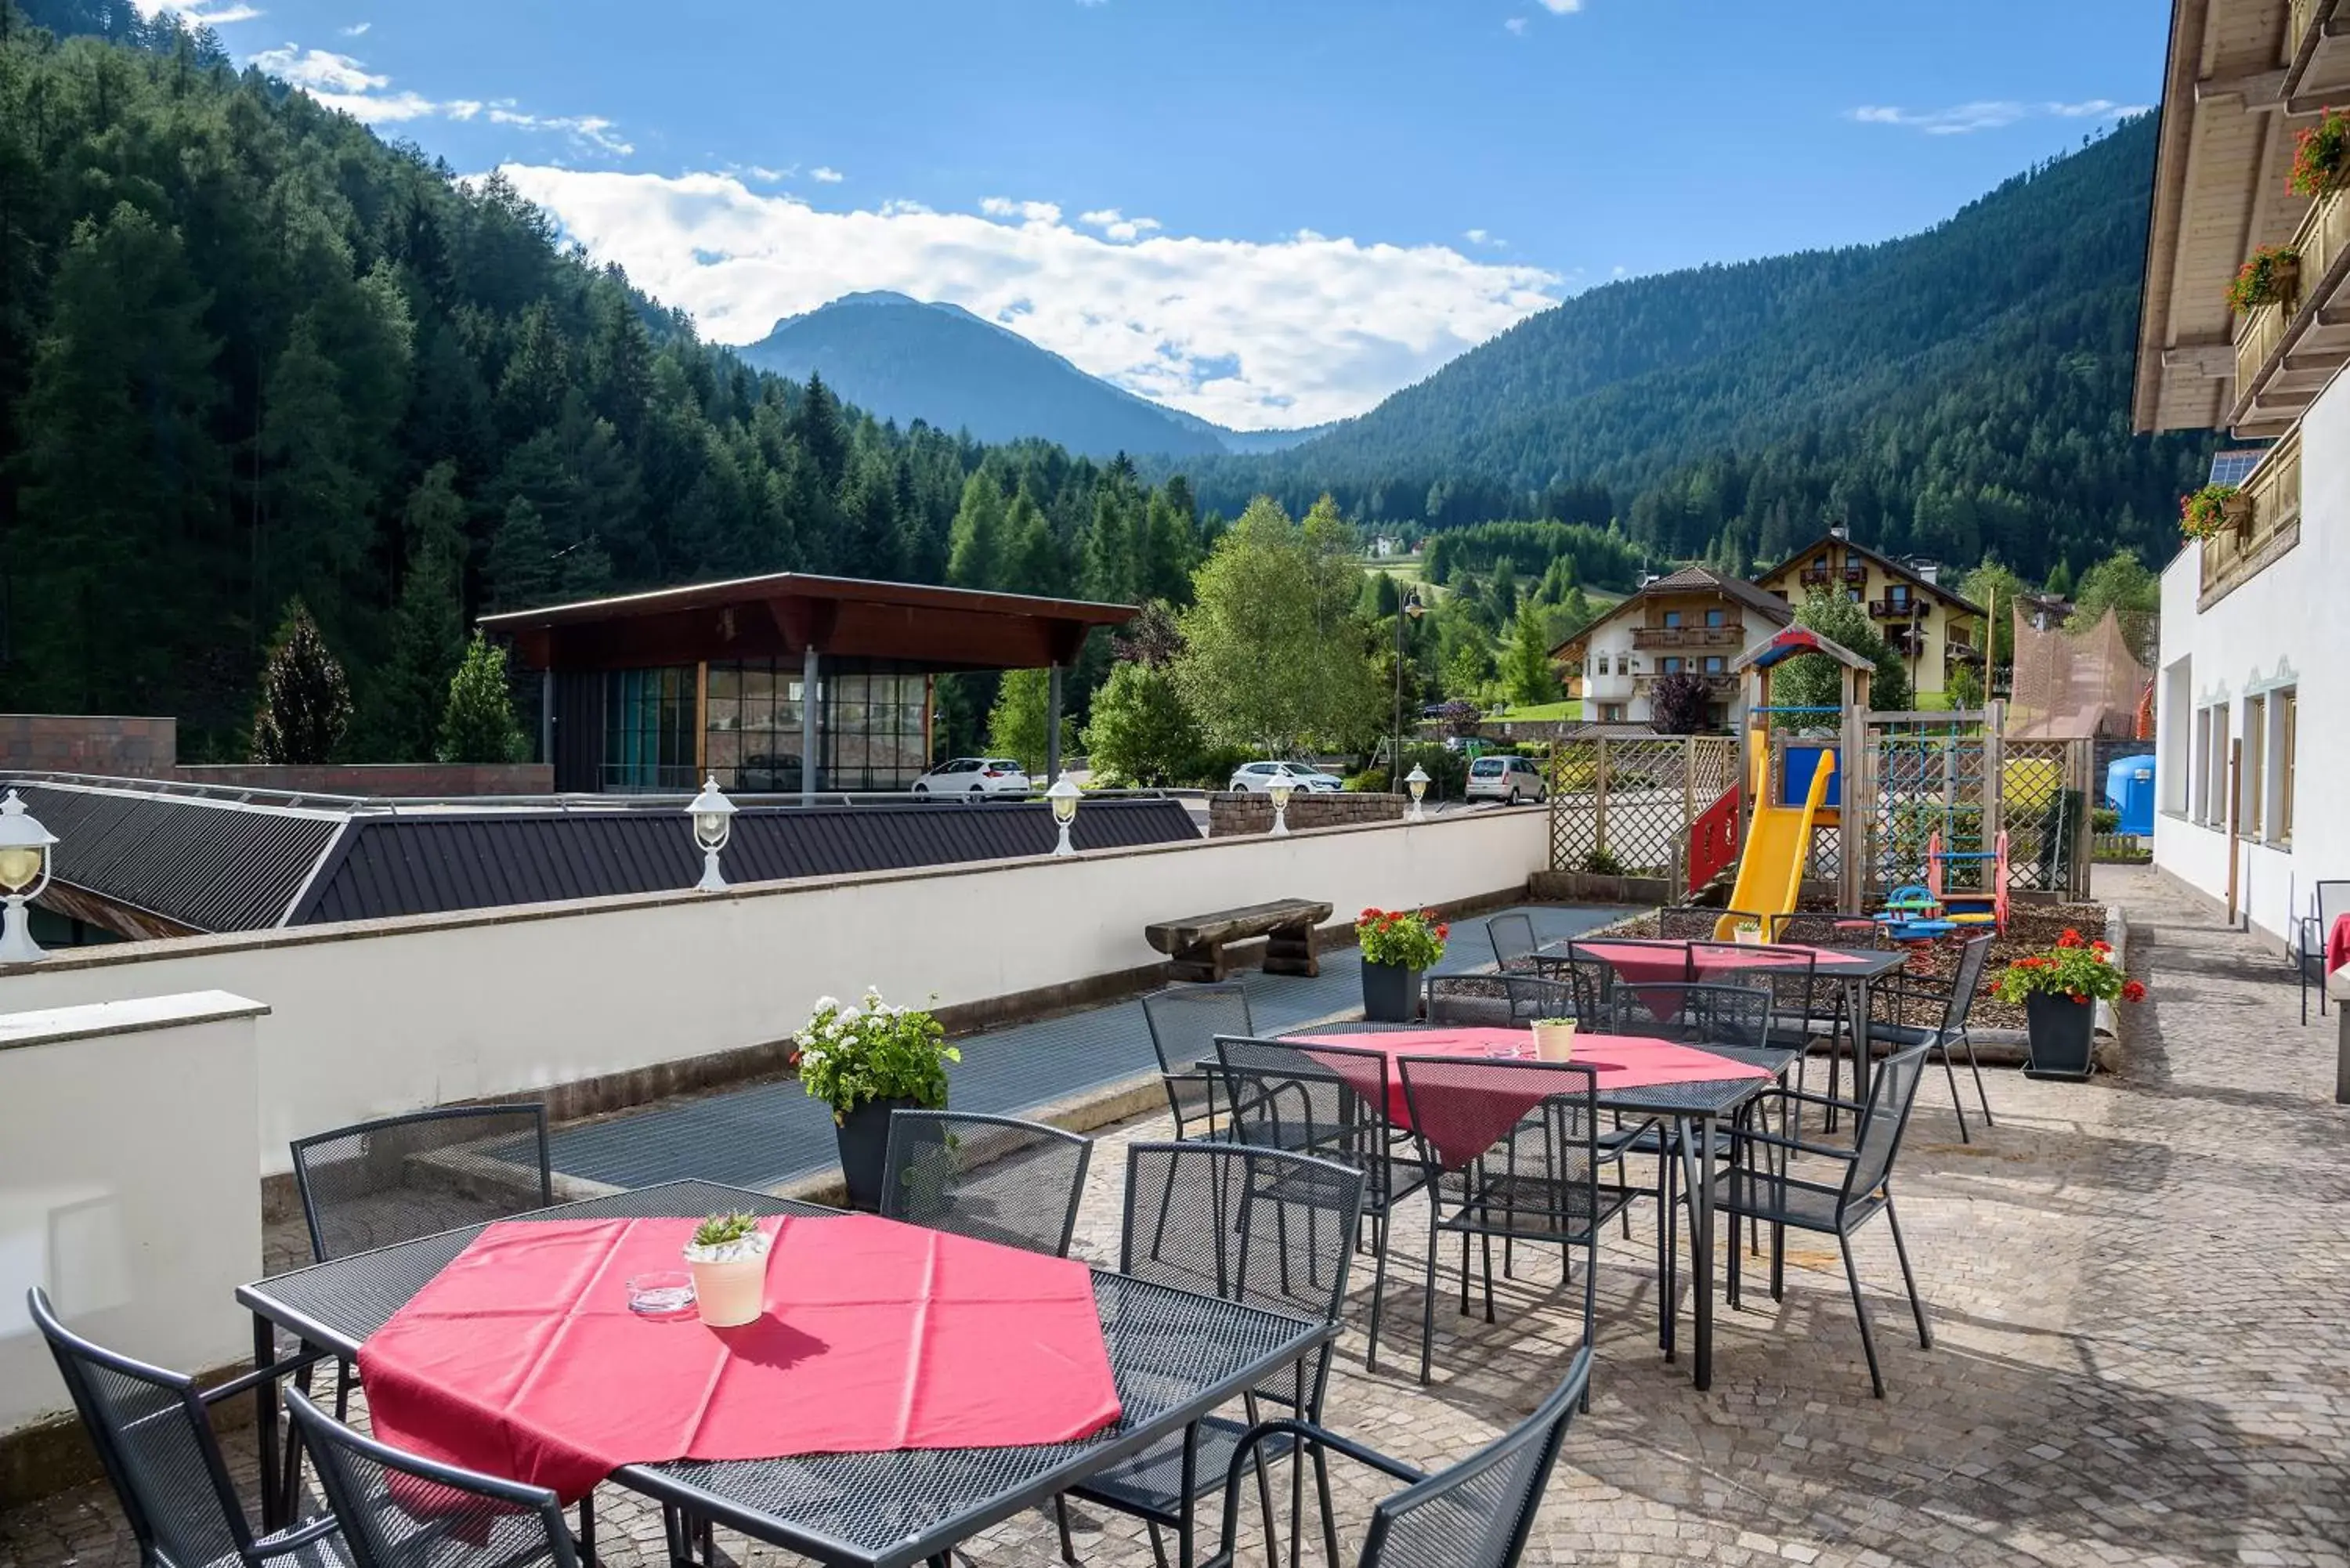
{"x":2321,"y":156}
{"x":477,"y":725}
{"x":305,"y":698}
{"x":1599,"y":863}
{"x":868,"y":1050}
{"x":2268,"y":278}
{"x":1407,"y":939}
{"x":2075,"y":967}
{"x":2105,"y":820}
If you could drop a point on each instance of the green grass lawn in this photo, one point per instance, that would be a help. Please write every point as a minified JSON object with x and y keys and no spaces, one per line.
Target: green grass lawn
{"x":1565,"y":710}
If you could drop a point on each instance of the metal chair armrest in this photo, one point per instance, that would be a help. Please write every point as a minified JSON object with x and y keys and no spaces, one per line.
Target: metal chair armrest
{"x":289,"y":1540}
{"x":247,"y":1382}
{"x":1304,"y":1432}
{"x":1808,"y":1097}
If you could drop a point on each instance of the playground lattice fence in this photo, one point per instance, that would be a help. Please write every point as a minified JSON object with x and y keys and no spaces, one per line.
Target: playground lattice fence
{"x":1624,"y":805}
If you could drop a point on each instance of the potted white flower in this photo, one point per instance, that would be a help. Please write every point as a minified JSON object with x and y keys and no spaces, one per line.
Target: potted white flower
{"x":728,"y":1256}
{"x":866,"y":1059}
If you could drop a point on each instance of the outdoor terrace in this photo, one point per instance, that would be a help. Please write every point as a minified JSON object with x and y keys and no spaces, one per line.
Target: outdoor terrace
{"x":2134,"y":1288}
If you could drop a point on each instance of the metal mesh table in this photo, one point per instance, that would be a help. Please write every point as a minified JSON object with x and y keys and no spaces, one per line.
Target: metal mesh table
{"x":1175,"y":1356}
{"x":1698,"y":1109}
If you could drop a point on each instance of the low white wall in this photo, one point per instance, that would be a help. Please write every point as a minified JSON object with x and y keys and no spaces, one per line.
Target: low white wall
{"x":376,"y":1017}
{"x":126,"y":1184}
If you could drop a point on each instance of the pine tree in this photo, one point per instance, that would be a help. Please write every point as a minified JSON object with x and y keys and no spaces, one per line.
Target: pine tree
{"x":305,"y":698}
{"x":477,"y":723}
{"x":975,"y":545}
{"x":1533,"y":678}
{"x":429,"y":626}
{"x":316,"y":544}
{"x":817,"y":426}
{"x":522,"y":569}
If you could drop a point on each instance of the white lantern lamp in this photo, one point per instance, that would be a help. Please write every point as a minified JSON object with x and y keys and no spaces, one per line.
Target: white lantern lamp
{"x":1416,"y":781}
{"x":1282,"y":788}
{"x":713,"y":825}
{"x":25,"y":867}
{"x":1064,"y":796}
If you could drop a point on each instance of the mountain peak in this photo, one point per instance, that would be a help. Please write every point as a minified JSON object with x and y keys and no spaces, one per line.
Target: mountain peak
{"x":905,"y":358}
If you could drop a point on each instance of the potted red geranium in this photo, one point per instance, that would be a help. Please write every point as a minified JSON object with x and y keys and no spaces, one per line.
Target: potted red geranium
{"x":1399,"y":946}
{"x":2060,"y":990}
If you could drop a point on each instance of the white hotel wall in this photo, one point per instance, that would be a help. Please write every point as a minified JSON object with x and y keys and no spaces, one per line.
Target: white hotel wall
{"x":374,"y":1018}
{"x":2286,"y":627}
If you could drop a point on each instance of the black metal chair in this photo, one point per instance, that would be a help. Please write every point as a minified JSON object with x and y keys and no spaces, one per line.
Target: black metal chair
{"x":401,"y":1511}
{"x":1535,"y":1177}
{"x":1836,"y":929}
{"x":1184,"y":1021}
{"x":1690,"y":1013}
{"x":1496,"y":1001}
{"x":1698,"y":922}
{"x":1257,"y":1226}
{"x":1943,"y":1033}
{"x":1511,"y":933}
{"x":394,"y":1180}
{"x":1331,"y":1102}
{"x":155,"y":1438}
{"x":1780,"y":1199}
{"x":391,"y":1181}
{"x":2327,"y":902}
{"x":998,"y":1179}
{"x":1477,"y":1514}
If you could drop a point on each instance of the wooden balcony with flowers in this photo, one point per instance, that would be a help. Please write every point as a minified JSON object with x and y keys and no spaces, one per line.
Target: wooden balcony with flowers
{"x":2293,"y":327}
{"x":2246,"y":528}
{"x":1674,"y":637}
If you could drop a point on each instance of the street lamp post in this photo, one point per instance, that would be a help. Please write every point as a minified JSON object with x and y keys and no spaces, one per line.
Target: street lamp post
{"x":25,"y":867}
{"x":1408,"y":608}
{"x":713,"y":825}
{"x":1064,"y":796}
{"x":1416,"y":781}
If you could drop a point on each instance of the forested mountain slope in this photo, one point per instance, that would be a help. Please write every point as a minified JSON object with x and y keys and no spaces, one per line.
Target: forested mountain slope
{"x":249,"y":352}
{"x":1960,"y":391}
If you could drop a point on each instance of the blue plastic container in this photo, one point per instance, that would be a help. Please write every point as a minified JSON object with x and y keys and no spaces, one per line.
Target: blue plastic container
{"x":2129,"y":789}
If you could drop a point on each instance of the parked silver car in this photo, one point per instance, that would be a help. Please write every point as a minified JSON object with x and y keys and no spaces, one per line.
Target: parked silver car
{"x":1510,"y":779}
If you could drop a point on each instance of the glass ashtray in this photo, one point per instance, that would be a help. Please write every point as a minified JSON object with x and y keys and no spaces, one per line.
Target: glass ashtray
{"x":667,"y":1294}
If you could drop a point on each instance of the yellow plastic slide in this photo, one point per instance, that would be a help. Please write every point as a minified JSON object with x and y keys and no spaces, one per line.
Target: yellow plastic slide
{"x":1778,"y":841}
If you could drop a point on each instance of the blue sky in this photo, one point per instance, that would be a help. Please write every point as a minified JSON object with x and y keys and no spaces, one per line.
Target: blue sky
{"x":1268,"y":211}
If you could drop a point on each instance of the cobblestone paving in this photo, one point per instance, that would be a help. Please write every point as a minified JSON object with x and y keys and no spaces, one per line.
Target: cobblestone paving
{"x":2142,"y":1351}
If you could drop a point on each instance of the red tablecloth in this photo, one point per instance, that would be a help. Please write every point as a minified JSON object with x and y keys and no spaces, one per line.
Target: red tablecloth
{"x":2337,"y":944}
{"x":1476,"y":1116}
{"x":1647,"y":964}
{"x":522,"y":1359}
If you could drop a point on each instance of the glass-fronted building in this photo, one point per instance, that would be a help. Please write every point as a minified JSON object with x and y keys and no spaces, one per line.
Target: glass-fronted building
{"x":654,"y":692}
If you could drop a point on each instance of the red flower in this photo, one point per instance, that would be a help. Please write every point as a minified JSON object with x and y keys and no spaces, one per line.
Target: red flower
{"x":2032,"y":963}
{"x":2133,"y":991}
{"x":2071,"y":938}
{"x":1442,"y":932}
{"x":2103,"y":949}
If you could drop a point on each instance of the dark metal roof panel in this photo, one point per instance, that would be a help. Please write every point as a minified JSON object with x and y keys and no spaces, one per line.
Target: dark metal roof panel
{"x":429,"y":864}
{"x":211,"y":867}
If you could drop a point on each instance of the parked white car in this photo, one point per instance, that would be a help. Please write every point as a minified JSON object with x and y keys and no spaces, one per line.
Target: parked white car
{"x":975,"y":776}
{"x":1510,"y":779}
{"x":1259,"y":777}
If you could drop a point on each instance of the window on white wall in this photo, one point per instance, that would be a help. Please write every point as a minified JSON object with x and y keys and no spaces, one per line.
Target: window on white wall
{"x":2284,"y":716}
{"x":2199,"y":806}
{"x":2252,"y":797}
{"x":2215,"y":788}
{"x":2176,"y":743}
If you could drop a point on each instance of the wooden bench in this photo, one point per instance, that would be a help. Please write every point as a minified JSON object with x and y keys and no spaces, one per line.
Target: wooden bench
{"x":1197,"y":945}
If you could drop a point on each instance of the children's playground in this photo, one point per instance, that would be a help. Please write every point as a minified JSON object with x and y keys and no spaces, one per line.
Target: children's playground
{"x":1933,"y":822}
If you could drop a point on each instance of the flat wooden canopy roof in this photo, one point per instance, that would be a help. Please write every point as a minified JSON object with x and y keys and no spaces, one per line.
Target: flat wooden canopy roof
{"x":785,"y":614}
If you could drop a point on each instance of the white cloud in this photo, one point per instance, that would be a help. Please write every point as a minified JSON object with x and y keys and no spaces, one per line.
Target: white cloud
{"x":344,"y":83}
{"x":823,"y":176}
{"x":1562,"y":7}
{"x":1114,"y":225}
{"x":1487,"y":238}
{"x":1253,"y":334}
{"x":356,"y":29}
{"x":1989,"y":114}
{"x":1516,"y":24}
{"x":198,"y":13}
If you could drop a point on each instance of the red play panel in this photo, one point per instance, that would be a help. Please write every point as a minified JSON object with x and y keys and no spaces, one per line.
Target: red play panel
{"x":522,"y":1359}
{"x":1463,"y":1131}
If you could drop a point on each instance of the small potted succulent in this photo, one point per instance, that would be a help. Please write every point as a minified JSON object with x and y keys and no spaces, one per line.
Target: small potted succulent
{"x":1555,"y":1040}
{"x":2059,"y":990}
{"x":1399,"y":946}
{"x":2270,"y":278}
{"x":728,"y":1256}
{"x":866,"y":1059}
{"x":2213,"y":510}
